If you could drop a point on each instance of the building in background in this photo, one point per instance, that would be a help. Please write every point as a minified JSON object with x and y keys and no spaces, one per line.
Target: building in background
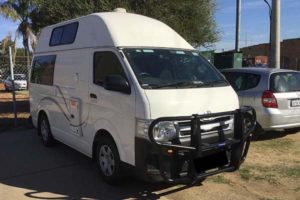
{"x":290,"y":54}
{"x":258,"y":54}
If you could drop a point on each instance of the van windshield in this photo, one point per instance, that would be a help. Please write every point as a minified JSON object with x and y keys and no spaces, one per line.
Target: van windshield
{"x":164,"y":68}
{"x":20,"y":77}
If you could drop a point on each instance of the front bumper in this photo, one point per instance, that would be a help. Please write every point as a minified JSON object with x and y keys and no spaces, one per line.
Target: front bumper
{"x":20,"y":87}
{"x":174,"y":162}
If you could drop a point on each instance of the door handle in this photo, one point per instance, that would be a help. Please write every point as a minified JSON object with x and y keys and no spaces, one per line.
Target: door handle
{"x":93,"y":96}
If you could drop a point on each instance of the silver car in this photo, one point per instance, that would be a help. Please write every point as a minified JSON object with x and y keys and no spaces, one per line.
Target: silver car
{"x":273,"y":93}
{"x":20,"y":82}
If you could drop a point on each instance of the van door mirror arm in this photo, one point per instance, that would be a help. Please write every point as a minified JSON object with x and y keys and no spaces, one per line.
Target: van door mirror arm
{"x":117,"y":83}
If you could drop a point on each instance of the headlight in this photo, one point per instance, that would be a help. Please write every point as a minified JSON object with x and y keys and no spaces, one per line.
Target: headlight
{"x":164,"y":131}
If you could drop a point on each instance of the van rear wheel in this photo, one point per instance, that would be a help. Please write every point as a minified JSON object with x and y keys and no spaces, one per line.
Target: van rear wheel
{"x":6,"y":88}
{"x":44,"y":131}
{"x":108,"y":160}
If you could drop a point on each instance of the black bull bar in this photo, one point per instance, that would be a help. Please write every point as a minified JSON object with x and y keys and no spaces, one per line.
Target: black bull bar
{"x":237,"y":146}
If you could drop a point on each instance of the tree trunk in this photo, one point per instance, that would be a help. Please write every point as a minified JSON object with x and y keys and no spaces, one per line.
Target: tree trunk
{"x":27,"y":54}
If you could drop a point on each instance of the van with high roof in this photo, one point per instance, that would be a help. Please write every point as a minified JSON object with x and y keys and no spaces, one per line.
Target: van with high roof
{"x":128,"y":91}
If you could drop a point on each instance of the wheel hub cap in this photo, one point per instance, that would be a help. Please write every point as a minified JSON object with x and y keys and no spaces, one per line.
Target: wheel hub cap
{"x":107,"y":161}
{"x":44,"y":130}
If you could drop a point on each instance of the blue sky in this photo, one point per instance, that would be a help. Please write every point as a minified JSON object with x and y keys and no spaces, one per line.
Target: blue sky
{"x":6,"y":26}
{"x":254,"y":22}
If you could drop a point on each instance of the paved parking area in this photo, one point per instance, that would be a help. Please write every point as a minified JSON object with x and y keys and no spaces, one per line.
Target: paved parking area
{"x":30,"y":170}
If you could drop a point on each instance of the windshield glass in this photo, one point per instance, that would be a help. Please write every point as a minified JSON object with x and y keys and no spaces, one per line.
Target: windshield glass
{"x":19,"y":77}
{"x":285,"y":82}
{"x":163,"y":68}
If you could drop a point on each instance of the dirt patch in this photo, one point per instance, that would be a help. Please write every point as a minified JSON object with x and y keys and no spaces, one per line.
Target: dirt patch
{"x":6,"y":109}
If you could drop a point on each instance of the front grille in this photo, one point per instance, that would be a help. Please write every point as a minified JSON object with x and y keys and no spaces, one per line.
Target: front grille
{"x":208,"y":125}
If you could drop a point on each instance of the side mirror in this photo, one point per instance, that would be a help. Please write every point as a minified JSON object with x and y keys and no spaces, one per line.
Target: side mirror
{"x":117,"y":83}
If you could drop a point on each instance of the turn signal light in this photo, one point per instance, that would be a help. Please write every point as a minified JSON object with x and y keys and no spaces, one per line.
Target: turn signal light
{"x":170,"y":151}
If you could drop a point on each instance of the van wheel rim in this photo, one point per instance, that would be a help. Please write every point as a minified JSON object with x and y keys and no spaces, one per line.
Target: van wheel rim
{"x":106,"y":160}
{"x":44,"y":130}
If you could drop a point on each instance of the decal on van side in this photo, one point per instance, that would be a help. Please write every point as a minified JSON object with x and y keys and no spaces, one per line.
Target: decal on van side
{"x":68,"y":115}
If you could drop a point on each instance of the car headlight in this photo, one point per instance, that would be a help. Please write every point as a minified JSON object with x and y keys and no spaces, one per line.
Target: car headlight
{"x":164,"y":131}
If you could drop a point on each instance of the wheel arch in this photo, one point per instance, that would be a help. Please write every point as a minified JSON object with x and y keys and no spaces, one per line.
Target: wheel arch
{"x":103,"y":133}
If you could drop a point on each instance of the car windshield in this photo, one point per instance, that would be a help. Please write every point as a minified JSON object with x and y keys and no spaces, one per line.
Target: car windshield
{"x":163,"y":68}
{"x":285,"y":82}
{"x":19,"y":77}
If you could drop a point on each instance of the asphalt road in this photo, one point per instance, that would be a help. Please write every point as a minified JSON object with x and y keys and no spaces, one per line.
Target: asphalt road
{"x":28,"y":170}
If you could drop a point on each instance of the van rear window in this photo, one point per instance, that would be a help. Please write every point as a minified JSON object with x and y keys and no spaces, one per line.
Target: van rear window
{"x":64,"y":34}
{"x":43,"y":70}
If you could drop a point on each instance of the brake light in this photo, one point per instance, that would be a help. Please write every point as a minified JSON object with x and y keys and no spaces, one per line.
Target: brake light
{"x":269,"y":100}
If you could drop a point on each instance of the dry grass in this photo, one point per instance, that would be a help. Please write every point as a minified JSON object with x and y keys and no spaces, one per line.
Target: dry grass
{"x":220,"y":179}
{"x":270,"y":172}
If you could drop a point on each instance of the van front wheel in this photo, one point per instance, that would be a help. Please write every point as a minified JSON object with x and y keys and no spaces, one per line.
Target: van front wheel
{"x":108,"y":160}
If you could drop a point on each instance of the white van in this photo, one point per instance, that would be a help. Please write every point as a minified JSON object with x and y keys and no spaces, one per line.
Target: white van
{"x":127,"y":90}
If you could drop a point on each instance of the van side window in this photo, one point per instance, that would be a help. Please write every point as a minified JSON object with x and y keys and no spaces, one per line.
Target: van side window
{"x":106,"y":63}
{"x":43,"y":70}
{"x":56,"y":36}
{"x":64,"y":34}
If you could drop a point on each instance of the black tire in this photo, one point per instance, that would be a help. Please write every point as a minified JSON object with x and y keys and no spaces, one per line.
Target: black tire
{"x":108,"y":160}
{"x":248,"y":123}
{"x":238,"y":150}
{"x":236,"y":155}
{"x":44,"y":130}
{"x":6,"y":88}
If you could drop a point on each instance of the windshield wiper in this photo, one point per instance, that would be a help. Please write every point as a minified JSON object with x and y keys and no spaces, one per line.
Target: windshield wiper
{"x":187,"y":84}
{"x":215,"y":83}
{"x":179,"y":84}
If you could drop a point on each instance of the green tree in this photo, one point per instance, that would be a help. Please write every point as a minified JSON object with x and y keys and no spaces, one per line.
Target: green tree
{"x":20,"y":10}
{"x":5,"y":43}
{"x":54,"y":11}
{"x":193,"y":19}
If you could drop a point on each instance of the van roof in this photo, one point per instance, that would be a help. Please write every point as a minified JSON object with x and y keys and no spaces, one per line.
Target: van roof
{"x":116,"y":29}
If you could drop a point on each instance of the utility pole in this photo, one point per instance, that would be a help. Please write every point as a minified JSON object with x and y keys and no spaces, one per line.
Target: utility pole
{"x":275,"y":35}
{"x":237,"y":26}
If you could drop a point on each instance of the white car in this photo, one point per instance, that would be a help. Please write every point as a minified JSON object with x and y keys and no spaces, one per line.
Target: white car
{"x":20,"y":82}
{"x":273,"y":93}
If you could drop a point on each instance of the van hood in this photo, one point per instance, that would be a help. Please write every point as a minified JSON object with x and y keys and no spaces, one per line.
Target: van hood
{"x":186,"y":102}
